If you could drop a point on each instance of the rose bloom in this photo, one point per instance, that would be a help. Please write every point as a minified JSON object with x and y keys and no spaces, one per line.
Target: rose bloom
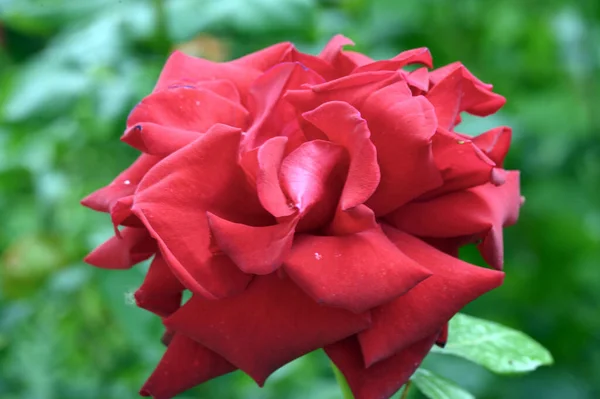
{"x":308,"y":202}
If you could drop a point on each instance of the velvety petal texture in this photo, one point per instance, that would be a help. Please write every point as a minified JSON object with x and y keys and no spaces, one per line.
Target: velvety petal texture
{"x":185,"y":364}
{"x":305,"y":202}
{"x":381,"y":380}
{"x":270,"y":324}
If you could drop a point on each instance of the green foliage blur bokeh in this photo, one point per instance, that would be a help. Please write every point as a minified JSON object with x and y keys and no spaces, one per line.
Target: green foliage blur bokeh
{"x":70,"y":71}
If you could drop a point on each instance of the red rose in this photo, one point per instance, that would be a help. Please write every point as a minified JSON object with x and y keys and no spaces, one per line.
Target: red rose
{"x":308,"y":202}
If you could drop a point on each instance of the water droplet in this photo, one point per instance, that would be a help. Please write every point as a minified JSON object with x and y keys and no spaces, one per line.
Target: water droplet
{"x":460,"y":141}
{"x":318,"y":256}
{"x":522,"y":200}
{"x":127,"y":182}
{"x":198,"y":103}
{"x":129,"y":298}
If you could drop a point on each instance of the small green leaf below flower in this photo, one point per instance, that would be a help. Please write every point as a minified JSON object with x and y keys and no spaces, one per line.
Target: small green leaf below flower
{"x":500,"y":349}
{"x":436,"y":387}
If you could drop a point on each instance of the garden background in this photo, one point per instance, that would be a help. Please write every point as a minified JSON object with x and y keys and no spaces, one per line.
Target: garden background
{"x":70,"y":71}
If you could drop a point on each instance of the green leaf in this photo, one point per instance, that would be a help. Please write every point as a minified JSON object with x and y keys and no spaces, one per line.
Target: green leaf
{"x":341,"y":380}
{"x":499,"y":349}
{"x":436,"y":387}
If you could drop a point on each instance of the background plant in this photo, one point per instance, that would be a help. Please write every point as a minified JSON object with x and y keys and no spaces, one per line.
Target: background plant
{"x":70,"y":71}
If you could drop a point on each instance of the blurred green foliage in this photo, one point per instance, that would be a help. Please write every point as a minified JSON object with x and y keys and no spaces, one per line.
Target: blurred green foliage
{"x":71,"y":70}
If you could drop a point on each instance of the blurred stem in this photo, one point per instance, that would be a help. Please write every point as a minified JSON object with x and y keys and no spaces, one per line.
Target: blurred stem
{"x":341,"y":380}
{"x":161,"y":32}
{"x":405,"y":392}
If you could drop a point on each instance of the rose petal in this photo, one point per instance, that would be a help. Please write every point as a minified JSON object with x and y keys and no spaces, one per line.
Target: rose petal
{"x":357,"y":58}
{"x":269,"y":158}
{"x":157,"y":140}
{"x":184,"y":68}
{"x":440,"y":73}
{"x":383,"y":379}
{"x":255,"y":250}
{"x":123,"y":185}
{"x":416,"y":56}
{"x":461,"y":163}
{"x":356,"y":272}
{"x":353,"y":89}
{"x":446,"y":97}
{"x":424,"y":309}
{"x":222,"y":87}
{"x":270,"y":324}
{"x":495,"y":143}
{"x":333,"y":54}
{"x":172,"y":201}
{"x":442,"y":339}
{"x":343,"y":125}
{"x":160,"y":292}
{"x":418,"y":80}
{"x":188,"y":109}
{"x":473,"y":96}
{"x":266,"y":100}
{"x":306,"y":172}
{"x":401,"y":132}
{"x":481,"y":210}
{"x":132,"y":247}
{"x":266,"y":58}
{"x":184,"y":365}
{"x":350,"y":221}
{"x":121,"y":215}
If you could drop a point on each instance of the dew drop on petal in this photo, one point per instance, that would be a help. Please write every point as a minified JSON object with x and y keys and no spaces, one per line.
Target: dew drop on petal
{"x":127,"y":182}
{"x":318,"y":256}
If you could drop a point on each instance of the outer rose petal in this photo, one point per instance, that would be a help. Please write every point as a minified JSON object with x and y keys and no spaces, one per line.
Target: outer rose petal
{"x":103,"y":200}
{"x":343,"y":125}
{"x":481,"y":210}
{"x":188,"y":109}
{"x":383,"y":379}
{"x":156,"y":139}
{"x":440,"y":73}
{"x":264,"y":60}
{"x":161,"y":292}
{"x":267,"y":58}
{"x":353,"y":89}
{"x":270,"y":324}
{"x":446,"y":97}
{"x":401,"y":132}
{"x":134,"y":246}
{"x":356,"y":272}
{"x":120,"y":214}
{"x":474,"y":96}
{"x":184,"y":365}
{"x":174,"y":197}
{"x":415,"y":56}
{"x":255,"y":250}
{"x":184,"y":68}
{"x":222,"y":87}
{"x":495,"y":143}
{"x":418,"y":80}
{"x":461,"y":163}
{"x":333,"y":54}
{"x":424,"y":309}
{"x":442,"y":339}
